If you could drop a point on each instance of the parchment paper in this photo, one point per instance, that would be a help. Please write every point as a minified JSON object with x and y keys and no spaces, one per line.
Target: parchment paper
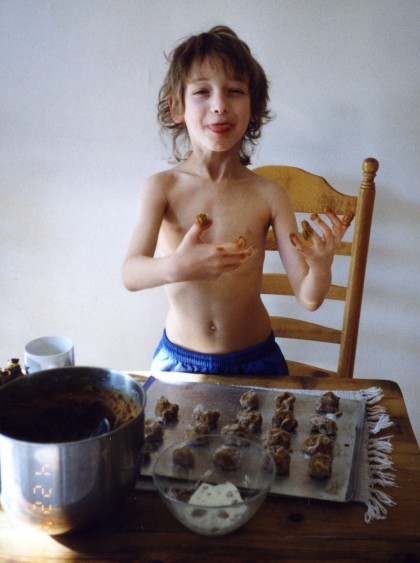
{"x":340,"y":486}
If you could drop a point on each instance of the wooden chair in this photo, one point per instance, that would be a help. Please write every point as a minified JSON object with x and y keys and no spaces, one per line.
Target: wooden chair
{"x":312,"y":194}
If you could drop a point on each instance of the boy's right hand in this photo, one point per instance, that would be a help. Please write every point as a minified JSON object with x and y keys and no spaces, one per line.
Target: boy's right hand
{"x":200,"y":260}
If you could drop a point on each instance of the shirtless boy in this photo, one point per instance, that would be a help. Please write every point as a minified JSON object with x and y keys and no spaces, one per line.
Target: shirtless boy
{"x":215,"y":97}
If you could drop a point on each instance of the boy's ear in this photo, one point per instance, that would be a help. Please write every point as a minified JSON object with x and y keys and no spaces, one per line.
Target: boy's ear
{"x":177,"y":116}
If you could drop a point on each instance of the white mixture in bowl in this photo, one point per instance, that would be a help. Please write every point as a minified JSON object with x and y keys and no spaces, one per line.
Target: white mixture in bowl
{"x":211,"y":519}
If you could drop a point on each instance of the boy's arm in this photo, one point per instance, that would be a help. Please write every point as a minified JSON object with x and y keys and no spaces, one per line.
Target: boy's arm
{"x":191,"y":259}
{"x":140,"y":269}
{"x":308,"y":267}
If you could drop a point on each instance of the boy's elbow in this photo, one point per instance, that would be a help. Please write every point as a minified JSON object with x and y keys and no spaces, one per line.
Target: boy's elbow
{"x":129,"y":286}
{"x":127,"y":279}
{"x":311,"y":306}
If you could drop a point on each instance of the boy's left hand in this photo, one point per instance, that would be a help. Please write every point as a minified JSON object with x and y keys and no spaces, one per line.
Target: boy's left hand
{"x":321,"y":252}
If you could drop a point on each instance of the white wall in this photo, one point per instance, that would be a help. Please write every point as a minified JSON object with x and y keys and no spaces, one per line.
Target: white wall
{"x":78,"y":90}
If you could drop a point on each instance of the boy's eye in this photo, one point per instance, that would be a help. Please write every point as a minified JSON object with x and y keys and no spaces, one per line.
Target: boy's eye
{"x":200,"y":91}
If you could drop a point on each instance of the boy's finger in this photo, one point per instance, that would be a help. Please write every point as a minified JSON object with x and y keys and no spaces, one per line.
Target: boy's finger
{"x":228,"y":247}
{"x":295,"y":239}
{"x":322,"y":225}
{"x":307,"y":230}
{"x":347,"y":219}
{"x":203,"y":221}
{"x":201,"y":224}
{"x":238,"y":245}
{"x":241,"y":242}
{"x":248,"y":252}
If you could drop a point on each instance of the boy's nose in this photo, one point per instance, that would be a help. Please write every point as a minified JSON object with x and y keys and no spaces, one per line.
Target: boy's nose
{"x":220,"y":105}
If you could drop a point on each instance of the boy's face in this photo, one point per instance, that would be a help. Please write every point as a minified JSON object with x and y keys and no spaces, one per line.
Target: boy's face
{"x":217,"y":107}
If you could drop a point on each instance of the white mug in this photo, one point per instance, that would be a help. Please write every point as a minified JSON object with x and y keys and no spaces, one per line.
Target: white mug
{"x":48,"y":352}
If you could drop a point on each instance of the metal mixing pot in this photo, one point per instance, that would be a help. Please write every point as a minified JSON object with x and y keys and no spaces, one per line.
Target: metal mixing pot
{"x":60,"y":483}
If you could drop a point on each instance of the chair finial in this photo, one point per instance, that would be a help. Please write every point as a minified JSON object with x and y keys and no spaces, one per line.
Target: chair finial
{"x":370,"y":167}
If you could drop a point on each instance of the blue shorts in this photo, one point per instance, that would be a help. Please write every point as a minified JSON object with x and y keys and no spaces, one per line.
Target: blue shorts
{"x":263,"y":359}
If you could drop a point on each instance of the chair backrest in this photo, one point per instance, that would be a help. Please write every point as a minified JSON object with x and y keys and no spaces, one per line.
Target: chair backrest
{"x":312,"y":194}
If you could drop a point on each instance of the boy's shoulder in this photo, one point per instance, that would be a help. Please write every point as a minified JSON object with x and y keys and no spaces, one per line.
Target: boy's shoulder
{"x":266,"y":183}
{"x":164,"y":175}
{"x":163,"y":179}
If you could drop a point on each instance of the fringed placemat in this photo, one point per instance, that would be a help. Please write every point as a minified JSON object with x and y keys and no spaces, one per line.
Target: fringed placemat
{"x":375,"y":469}
{"x":375,"y":472}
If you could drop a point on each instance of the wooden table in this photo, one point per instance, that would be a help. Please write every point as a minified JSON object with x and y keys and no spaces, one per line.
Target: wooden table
{"x":291,"y":529}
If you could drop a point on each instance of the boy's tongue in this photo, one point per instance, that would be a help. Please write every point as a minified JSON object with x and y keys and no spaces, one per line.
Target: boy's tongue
{"x":220,"y":127}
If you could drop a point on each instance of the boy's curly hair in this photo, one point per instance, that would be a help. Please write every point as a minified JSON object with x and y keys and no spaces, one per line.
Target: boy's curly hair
{"x":221,"y":42}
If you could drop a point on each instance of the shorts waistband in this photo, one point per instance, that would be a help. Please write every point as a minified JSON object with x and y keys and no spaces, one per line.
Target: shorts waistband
{"x":253,"y":353}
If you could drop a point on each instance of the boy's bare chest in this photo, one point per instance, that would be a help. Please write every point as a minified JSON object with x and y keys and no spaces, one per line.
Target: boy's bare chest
{"x":234,"y":210}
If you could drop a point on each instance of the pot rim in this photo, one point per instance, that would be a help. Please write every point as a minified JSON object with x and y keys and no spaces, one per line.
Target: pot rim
{"x":28,"y":381}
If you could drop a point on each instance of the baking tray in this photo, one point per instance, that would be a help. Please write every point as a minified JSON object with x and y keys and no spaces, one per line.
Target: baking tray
{"x":338,"y":487}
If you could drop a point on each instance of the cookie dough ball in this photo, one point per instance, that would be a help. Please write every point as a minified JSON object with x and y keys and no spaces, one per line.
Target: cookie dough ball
{"x":209,"y":416}
{"x":323,"y":425}
{"x":153,"y":430}
{"x":277,"y":437}
{"x":281,"y":458}
{"x":285,"y":401}
{"x":318,"y":443}
{"x":183,"y":456}
{"x":227,"y":457}
{"x":320,"y":466}
{"x":249,"y":399}
{"x":328,"y":403}
{"x":250,"y":418}
{"x":285,"y":420}
{"x":235,"y":435}
{"x":197,"y":433}
{"x":202,"y":219}
{"x":166,"y":410}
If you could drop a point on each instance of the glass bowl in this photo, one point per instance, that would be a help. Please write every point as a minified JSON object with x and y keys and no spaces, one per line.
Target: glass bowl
{"x":214,"y":488}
